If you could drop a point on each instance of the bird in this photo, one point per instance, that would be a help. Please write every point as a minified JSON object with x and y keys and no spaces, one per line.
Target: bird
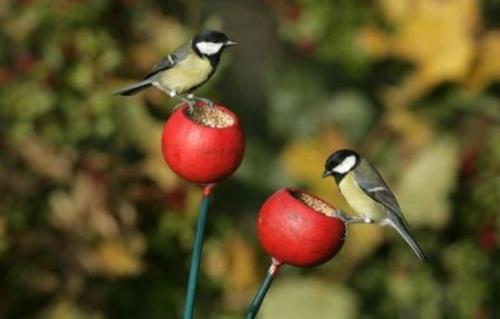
{"x":367,"y":193}
{"x":187,"y":68}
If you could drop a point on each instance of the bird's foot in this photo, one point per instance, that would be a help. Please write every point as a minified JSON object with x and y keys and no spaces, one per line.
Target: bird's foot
{"x":353,"y":219}
{"x":202,"y":99}
{"x":340,"y":214}
{"x":184,"y":100}
{"x":189,"y":103}
{"x":210,"y":103}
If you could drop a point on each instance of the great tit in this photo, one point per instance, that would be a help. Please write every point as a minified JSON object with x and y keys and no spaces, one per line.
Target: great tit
{"x":186,"y":69}
{"x":366,"y":192}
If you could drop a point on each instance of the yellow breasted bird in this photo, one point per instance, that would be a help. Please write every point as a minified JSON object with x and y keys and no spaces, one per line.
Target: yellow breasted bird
{"x":186,"y":69}
{"x":366,"y":192}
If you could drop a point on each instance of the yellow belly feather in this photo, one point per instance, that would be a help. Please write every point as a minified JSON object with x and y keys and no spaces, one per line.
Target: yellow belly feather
{"x":359,"y":201}
{"x":188,"y":73}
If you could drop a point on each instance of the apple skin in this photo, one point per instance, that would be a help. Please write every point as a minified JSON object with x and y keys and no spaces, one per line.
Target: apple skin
{"x":202,"y":154}
{"x":296,"y":234}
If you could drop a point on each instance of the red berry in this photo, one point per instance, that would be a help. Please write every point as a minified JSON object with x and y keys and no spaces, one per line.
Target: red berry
{"x":203,"y":146}
{"x":306,"y":47}
{"x":25,"y":63}
{"x":6,"y":76}
{"x":293,"y":12}
{"x":299,"y":229}
{"x":488,"y":238}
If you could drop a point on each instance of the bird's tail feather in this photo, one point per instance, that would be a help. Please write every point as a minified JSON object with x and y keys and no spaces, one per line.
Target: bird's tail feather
{"x":404,"y":232}
{"x":134,"y":88}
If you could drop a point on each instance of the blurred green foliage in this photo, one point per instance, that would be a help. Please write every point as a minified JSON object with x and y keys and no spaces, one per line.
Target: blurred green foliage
{"x":94,"y":225}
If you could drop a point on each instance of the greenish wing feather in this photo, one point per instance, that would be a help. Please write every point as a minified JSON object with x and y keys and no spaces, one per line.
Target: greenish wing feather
{"x":169,"y":61}
{"x":373,"y":185}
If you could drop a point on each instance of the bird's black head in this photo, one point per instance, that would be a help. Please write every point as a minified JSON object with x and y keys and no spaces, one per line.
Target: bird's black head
{"x":340,"y":163}
{"x":210,"y":43}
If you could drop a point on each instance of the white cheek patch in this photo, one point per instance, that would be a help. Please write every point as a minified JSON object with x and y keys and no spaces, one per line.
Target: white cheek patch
{"x":347,"y":164}
{"x":209,"y":48}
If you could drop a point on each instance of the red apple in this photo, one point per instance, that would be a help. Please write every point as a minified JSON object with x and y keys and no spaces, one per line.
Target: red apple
{"x":204,"y":145}
{"x":299,"y":229}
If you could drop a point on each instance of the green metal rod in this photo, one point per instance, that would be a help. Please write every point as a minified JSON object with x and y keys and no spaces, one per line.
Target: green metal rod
{"x":254,"y":307}
{"x":197,"y":253}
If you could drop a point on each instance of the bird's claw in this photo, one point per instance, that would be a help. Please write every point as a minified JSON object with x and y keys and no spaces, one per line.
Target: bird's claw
{"x":353,"y":219}
{"x":189,"y":99}
{"x":184,"y":100}
{"x":191,"y":104}
{"x":208,"y":102}
{"x":176,"y":107}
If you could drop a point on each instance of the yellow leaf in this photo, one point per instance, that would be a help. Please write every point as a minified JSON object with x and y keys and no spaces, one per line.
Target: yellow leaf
{"x":414,"y":131}
{"x":304,"y":158}
{"x":438,"y":37}
{"x":488,"y":64}
{"x":66,"y":309}
{"x":374,"y":42}
{"x":395,"y":10}
{"x":241,"y":277}
{"x":233,"y":263}
{"x":115,"y":257}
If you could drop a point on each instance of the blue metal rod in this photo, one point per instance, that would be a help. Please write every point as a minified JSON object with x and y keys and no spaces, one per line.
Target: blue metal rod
{"x":197,"y":253}
{"x":254,"y":307}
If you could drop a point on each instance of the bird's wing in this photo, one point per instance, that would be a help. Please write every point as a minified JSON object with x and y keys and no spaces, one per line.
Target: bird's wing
{"x":169,"y":61}
{"x":373,"y":185}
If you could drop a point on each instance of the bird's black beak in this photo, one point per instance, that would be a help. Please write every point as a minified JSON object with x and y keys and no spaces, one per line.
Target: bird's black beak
{"x":230,"y":43}
{"x":326,"y":173}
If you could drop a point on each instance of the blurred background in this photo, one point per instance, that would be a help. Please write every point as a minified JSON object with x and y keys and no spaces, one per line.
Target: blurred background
{"x":93,"y":224}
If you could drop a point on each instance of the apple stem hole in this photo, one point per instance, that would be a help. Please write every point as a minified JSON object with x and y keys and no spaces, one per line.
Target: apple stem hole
{"x":315,"y":203}
{"x":210,"y":116}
